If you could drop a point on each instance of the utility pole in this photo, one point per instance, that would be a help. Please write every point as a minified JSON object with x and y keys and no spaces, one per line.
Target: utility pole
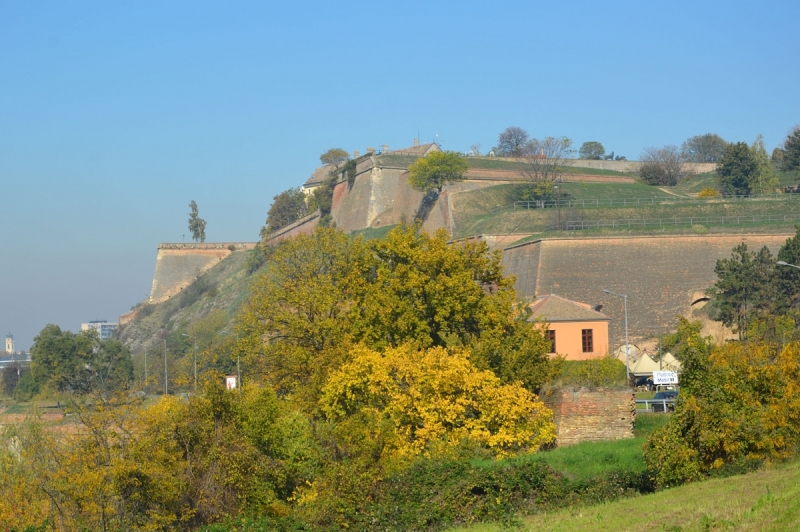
{"x":166,"y":386}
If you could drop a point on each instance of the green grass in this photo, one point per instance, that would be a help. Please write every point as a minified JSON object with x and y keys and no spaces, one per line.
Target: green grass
{"x":579,"y":190}
{"x":694,"y":184}
{"x":373,"y":233}
{"x":767,"y":500}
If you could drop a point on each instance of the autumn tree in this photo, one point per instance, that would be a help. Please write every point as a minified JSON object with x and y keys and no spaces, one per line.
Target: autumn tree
{"x":430,"y":401}
{"x":591,"y":150}
{"x":287,"y":207}
{"x":334,"y":157}
{"x":513,"y":142}
{"x":324,"y":292}
{"x":706,"y":148}
{"x":435,"y":170}
{"x":197,"y":226}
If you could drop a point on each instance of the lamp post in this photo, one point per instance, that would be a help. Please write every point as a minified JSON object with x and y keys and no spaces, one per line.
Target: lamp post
{"x":145,"y":367}
{"x":627,"y":348}
{"x":782,"y":263}
{"x":166,"y":386}
{"x":195,"y":360}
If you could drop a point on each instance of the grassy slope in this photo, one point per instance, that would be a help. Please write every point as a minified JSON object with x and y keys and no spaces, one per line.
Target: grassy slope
{"x":764,"y":500}
{"x":487,"y":163}
{"x":228,"y":279}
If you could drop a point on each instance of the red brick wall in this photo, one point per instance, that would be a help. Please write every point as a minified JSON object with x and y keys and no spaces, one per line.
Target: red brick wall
{"x":584,"y":414}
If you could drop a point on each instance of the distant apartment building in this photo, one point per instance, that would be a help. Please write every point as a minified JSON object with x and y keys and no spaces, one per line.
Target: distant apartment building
{"x":104,"y":328}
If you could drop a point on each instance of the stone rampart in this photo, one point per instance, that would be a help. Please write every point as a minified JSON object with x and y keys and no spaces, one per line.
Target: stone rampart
{"x":303,"y":226}
{"x":659,"y":274}
{"x":584,"y":414}
{"x":179,"y":264}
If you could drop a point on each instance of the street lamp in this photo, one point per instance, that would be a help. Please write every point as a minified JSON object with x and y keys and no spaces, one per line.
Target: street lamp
{"x":195,"y":360}
{"x":166,"y":387}
{"x":782,"y":263}
{"x":627,"y":348}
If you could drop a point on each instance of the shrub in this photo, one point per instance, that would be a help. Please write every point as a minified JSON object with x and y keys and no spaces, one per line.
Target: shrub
{"x":708,"y":192}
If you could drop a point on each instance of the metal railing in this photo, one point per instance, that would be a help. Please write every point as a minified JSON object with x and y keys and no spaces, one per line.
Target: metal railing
{"x":655,"y":405}
{"x":630,"y":202}
{"x":579,"y":225}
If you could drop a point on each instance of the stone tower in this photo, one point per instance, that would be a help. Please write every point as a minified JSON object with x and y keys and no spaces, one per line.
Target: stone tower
{"x":9,"y":344}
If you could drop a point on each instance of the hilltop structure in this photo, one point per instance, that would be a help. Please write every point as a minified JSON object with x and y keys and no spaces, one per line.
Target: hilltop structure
{"x":103,"y":328}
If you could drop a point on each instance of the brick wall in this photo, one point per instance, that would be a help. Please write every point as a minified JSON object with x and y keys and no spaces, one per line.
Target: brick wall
{"x":598,"y":414}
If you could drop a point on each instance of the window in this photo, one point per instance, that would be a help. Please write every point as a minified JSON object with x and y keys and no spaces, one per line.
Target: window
{"x":551,"y":335}
{"x":588,"y":342}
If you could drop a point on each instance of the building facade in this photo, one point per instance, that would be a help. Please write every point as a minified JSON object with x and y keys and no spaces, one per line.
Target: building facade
{"x":576,"y":331}
{"x":103,"y":328}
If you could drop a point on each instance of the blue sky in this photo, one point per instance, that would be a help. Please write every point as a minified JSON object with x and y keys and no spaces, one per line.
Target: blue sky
{"x":114,"y":115}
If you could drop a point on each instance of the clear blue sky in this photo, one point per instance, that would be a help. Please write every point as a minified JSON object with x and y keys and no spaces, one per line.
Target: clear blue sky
{"x":114,"y":115}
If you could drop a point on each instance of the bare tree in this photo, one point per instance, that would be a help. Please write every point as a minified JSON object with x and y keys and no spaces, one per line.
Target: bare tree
{"x":662,"y":166}
{"x":545,"y":162}
{"x":512,"y":142}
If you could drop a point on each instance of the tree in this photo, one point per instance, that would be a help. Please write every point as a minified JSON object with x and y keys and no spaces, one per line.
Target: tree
{"x":662,"y":166}
{"x":512,"y":142}
{"x":434,"y":400}
{"x":334,"y":157}
{"x":439,"y":168}
{"x":197,"y":225}
{"x":79,"y":363}
{"x":791,"y":148}
{"x":322,"y":293}
{"x":736,"y":169}
{"x":591,"y":150}
{"x":287,"y":207}
{"x":544,"y":168}
{"x":706,"y":148}
{"x":764,"y":180}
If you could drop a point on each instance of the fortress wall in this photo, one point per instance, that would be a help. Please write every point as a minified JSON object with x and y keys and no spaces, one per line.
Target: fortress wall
{"x":659,"y":274}
{"x":178,"y":265}
{"x":303,"y":226}
{"x":350,"y":208}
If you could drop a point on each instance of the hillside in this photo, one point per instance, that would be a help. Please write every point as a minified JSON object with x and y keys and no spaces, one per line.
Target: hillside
{"x":765,"y":500}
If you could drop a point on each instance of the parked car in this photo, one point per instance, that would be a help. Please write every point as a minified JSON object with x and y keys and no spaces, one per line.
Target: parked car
{"x":665,"y":407}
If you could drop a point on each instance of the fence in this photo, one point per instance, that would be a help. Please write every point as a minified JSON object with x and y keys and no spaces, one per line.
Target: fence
{"x":630,"y":202}
{"x":644,"y":406}
{"x":667,"y":222}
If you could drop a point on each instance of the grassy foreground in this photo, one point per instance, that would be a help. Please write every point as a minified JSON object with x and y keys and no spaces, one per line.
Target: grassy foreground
{"x":764,"y":500}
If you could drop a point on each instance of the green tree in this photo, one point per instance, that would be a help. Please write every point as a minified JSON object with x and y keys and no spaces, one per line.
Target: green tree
{"x":591,"y":150}
{"x":791,"y":148}
{"x":764,"y":180}
{"x":287,"y":207}
{"x":437,"y":169}
{"x":334,"y":157}
{"x":736,"y":168}
{"x":197,"y":226}
{"x":706,"y":148}
{"x":79,"y":363}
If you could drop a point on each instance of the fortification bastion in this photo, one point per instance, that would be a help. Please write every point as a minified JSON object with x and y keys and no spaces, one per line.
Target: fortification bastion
{"x":179,"y":264}
{"x":661,"y":275}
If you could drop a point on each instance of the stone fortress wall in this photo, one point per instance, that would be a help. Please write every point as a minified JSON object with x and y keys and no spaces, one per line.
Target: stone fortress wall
{"x":661,"y":275}
{"x":179,"y":264}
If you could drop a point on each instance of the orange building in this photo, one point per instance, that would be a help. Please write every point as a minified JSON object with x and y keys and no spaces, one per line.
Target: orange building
{"x":575,"y":329}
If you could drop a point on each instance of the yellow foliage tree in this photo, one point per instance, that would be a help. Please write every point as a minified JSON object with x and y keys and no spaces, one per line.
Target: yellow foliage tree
{"x":433,"y":400}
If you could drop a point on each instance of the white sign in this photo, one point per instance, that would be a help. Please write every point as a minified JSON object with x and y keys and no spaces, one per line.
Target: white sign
{"x":665,"y":377}
{"x":230,"y":382}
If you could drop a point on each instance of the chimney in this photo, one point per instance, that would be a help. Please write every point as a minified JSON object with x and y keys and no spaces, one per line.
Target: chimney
{"x":356,"y":154}
{"x":416,"y":142}
{"x":385,"y":148}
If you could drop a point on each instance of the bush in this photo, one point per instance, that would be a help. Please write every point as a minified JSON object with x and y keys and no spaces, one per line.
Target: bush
{"x":605,"y":371}
{"x":708,"y":192}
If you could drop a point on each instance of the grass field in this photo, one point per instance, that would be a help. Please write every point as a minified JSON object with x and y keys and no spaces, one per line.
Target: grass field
{"x":767,"y":500}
